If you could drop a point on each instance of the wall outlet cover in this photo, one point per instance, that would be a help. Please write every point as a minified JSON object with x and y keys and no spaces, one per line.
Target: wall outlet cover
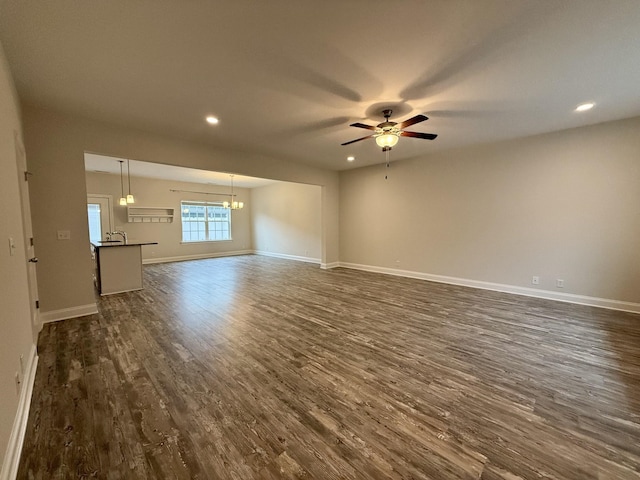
{"x":64,"y":235}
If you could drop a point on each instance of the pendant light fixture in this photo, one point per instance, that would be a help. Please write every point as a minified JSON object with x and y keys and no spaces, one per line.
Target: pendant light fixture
{"x":123,"y":200}
{"x":233,"y":204}
{"x":130,"y":198}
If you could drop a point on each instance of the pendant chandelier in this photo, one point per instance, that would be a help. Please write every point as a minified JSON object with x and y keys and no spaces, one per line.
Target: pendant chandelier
{"x":123,"y":199}
{"x":130,"y":198}
{"x":233,"y":204}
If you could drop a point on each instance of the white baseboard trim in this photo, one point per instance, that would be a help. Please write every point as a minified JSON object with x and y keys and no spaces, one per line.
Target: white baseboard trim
{"x":297,"y":258}
{"x":72,"y":312}
{"x":200,"y":256}
{"x":329,"y":266}
{"x":14,"y":448}
{"x":499,"y":287}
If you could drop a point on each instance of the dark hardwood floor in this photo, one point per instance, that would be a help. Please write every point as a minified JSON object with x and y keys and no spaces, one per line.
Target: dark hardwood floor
{"x":259,"y":368}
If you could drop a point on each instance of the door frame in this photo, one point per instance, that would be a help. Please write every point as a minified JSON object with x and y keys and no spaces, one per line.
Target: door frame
{"x":27,"y":230}
{"x":109,"y":199}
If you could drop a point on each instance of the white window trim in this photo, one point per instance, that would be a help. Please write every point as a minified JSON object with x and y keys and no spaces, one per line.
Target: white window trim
{"x":200,"y":203}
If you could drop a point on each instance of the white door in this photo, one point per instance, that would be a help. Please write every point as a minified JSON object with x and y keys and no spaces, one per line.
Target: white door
{"x":23,"y":181}
{"x":100,"y":215}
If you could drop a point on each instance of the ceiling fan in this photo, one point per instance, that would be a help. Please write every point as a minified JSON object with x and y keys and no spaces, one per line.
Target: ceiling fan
{"x":387,"y":133}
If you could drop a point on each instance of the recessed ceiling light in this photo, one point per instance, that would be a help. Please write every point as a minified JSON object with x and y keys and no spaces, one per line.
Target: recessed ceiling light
{"x":585,"y":106}
{"x":350,"y":159}
{"x":212,"y":120}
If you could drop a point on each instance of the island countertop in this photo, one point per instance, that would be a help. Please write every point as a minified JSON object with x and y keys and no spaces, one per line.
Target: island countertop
{"x":119,"y":243}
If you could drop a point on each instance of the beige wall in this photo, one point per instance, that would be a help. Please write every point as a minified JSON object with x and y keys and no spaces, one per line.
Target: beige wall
{"x":156,"y":193}
{"x":563,"y":205}
{"x":55,"y":145}
{"x":286,"y":220}
{"x":15,"y":322}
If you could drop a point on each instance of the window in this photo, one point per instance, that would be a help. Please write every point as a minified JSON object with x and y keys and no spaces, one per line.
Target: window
{"x":95,"y":228}
{"x":205,"y":222}
{"x":100,"y":215}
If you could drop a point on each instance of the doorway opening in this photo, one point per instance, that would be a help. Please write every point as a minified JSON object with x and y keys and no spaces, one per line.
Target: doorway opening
{"x":100,"y":215}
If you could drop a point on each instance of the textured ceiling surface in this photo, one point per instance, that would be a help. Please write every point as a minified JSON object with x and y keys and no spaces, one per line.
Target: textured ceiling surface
{"x":286,"y":78}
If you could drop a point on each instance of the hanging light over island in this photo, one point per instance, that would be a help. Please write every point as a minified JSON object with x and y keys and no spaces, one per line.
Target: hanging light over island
{"x":130,"y":198}
{"x":123,"y":199}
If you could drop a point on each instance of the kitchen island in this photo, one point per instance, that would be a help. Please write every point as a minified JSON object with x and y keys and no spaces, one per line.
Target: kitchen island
{"x":118,"y":266}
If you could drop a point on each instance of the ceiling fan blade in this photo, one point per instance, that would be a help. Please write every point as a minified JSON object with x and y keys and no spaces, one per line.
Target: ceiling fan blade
{"x":362,"y":125}
{"x":413,"y":121}
{"x":426,"y":136}
{"x":357,"y":140}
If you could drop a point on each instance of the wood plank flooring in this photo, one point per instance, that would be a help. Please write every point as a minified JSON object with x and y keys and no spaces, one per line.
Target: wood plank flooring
{"x":259,"y":368}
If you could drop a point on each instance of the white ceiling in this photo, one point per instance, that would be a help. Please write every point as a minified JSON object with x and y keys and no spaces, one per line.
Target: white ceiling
{"x":286,"y":78}
{"x":104,"y":164}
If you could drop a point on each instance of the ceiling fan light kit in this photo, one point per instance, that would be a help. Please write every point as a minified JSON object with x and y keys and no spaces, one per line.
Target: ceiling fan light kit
{"x":388,"y":133}
{"x":387,"y":140}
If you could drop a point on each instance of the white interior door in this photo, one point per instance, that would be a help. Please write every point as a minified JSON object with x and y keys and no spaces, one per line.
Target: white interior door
{"x":100,"y":212}
{"x":31,"y":259}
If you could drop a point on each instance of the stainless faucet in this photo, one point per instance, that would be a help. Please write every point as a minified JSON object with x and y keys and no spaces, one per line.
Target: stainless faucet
{"x":118,"y":232}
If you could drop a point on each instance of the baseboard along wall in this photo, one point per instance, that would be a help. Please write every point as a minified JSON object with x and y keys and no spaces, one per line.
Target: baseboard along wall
{"x":71,"y":312}
{"x":14,"y":448}
{"x":529,"y":292}
{"x":297,"y":258}
{"x":201,"y":256}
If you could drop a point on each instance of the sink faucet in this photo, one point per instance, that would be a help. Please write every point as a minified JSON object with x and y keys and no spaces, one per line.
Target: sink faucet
{"x":118,"y":232}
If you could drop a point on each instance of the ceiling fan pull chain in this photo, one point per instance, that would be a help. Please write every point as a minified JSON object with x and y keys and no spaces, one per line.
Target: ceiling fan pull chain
{"x":386,"y":177}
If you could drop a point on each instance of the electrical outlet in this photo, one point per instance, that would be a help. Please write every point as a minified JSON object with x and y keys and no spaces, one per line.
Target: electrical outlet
{"x":12,"y":247}
{"x":64,"y":235}
{"x":560,"y":283}
{"x":535,"y":280}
